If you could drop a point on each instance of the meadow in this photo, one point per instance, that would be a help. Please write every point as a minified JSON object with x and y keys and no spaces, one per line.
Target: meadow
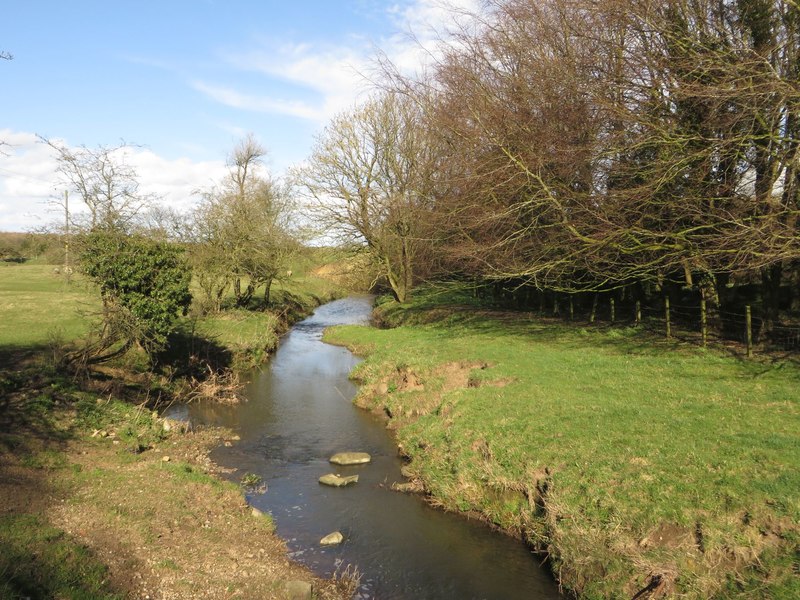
{"x":635,"y":464}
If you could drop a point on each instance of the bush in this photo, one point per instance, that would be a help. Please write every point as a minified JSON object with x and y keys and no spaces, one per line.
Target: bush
{"x":144,"y":286}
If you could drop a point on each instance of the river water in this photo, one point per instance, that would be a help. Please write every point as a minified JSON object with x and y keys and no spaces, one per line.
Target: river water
{"x":299,"y":412}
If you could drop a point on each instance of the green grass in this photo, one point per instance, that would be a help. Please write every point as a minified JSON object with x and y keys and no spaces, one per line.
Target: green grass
{"x":37,"y":306}
{"x":248,"y":334}
{"x":40,"y":561}
{"x":251,"y":335}
{"x":597,"y":439}
{"x":38,"y":310}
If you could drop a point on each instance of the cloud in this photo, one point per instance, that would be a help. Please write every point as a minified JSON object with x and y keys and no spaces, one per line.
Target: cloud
{"x":339,"y":74}
{"x":174,"y":182}
{"x":334,"y":73}
{"x":424,"y":26}
{"x":266,"y":104}
{"x":29,"y":181}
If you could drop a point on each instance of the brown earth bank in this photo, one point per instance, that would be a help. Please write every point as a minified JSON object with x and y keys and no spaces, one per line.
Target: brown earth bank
{"x":98,"y":489}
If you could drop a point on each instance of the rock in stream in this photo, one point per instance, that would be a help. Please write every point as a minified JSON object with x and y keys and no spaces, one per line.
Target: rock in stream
{"x":350,"y":458}
{"x":335,"y":480}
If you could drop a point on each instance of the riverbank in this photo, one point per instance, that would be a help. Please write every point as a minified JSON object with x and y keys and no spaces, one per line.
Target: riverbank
{"x":97,"y":498}
{"x":639,"y":466}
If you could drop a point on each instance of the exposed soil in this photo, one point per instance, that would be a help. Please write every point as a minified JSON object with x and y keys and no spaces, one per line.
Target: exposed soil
{"x":159,"y":516}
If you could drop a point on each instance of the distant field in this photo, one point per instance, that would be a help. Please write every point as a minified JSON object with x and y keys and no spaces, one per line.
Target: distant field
{"x":36,"y":304}
{"x":625,"y":456}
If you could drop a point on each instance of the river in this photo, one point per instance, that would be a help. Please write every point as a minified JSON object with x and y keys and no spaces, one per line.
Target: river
{"x":299,"y":412}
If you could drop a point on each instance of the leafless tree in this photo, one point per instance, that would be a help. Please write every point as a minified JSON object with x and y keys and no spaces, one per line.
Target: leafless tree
{"x":106,"y":184}
{"x":590,"y":145}
{"x":370,"y":178}
{"x":241,"y":232}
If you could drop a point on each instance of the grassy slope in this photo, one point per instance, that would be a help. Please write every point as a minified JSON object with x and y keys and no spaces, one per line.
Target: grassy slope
{"x":624,"y":456}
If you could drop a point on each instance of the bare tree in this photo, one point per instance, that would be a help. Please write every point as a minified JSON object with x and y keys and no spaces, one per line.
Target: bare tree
{"x":241,"y":230}
{"x":106,"y":184}
{"x":591,"y":145}
{"x":369,"y":177}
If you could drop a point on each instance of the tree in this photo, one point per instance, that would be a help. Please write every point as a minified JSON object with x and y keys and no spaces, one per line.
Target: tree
{"x":370,"y":177}
{"x":241,"y":230}
{"x":144,"y":286}
{"x":106,"y":184}
{"x":596,"y":145}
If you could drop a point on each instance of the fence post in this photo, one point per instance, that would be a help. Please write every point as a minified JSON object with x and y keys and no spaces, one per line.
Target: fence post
{"x":638,"y":312}
{"x":571,"y":308}
{"x":594,"y":310}
{"x":703,"y":320}
{"x":613,"y":310}
{"x":748,"y":318}
{"x":666,"y":313}
{"x":556,"y":310}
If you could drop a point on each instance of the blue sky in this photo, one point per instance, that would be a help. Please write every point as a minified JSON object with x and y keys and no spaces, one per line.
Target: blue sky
{"x":185,"y":79}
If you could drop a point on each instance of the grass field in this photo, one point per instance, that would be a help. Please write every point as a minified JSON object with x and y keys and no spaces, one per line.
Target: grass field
{"x":37,"y":306}
{"x":635,"y":463}
{"x":39,"y":309}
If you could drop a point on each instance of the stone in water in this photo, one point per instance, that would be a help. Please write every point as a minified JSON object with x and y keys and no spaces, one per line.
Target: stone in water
{"x":350,"y":458}
{"x":337,"y":480}
{"x":332,"y":539}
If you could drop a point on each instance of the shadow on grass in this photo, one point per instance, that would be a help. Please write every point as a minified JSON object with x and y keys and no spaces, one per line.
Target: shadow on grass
{"x":28,"y":397}
{"x":40,"y":561}
{"x":644,"y":339}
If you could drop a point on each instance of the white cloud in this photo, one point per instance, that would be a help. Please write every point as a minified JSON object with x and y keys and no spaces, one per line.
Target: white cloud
{"x":423,"y":27}
{"x":340,"y":74}
{"x":236,"y":99}
{"x":174,"y":182}
{"x":29,"y":179}
{"x":333,"y":73}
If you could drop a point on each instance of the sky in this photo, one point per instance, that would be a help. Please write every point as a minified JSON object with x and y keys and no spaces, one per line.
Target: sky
{"x":184,"y":80}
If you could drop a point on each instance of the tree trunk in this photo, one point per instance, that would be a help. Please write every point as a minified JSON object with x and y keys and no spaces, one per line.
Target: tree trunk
{"x":267,"y":288}
{"x":770,"y":298}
